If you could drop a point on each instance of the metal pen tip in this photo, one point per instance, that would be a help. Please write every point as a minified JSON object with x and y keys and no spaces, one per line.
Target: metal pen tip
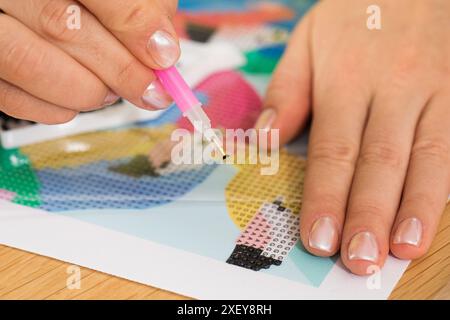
{"x":220,"y":148}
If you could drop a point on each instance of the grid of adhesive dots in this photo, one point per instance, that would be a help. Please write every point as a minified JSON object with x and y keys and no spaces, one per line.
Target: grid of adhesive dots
{"x":251,"y":258}
{"x":110,"y":169}
{"x":94,"y":146}
{"x":268,"y":238}
{"x":17,"y":179}
{"x":249,"y":189}
{"x":95,"y":186}
{"x":256,"y":234}
{"x":172,"y":168}
{"x":283,"y":230}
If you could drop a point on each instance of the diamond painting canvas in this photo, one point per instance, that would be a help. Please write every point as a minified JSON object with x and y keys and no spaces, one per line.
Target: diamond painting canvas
{"x":207,"y":231}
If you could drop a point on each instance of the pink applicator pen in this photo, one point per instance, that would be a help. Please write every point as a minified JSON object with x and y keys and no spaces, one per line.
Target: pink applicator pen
{"x":187,"y":102}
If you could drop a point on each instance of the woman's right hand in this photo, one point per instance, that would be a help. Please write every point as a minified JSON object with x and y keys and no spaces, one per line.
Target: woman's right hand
{"x":51,"y":68}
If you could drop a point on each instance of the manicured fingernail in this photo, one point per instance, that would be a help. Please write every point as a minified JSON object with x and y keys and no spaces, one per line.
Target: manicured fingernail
{"x":323,"y":235}
{"x":155,"y":96}
{"x":266,"y":119}
{"x":363,"y":246}
{"x":110,"y":99}
{"x":409,"y":231}
{"x":163,"y":48}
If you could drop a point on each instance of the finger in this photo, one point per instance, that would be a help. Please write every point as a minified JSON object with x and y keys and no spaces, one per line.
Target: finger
{"x":19,"y":104}
{"x":288,"y":98}
{"x":378,"y":180}
{"x":101,"y":52}
{"x":31,"y":63}
{"x":338,"y":123}
{"x":426,"y":190}
{"x":143,"y":26}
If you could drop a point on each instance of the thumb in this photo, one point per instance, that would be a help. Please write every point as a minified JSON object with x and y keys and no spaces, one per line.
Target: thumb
{"x":288,"y":97}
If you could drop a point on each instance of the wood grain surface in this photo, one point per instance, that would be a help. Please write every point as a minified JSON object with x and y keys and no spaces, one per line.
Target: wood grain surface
{"x":25,"y":275}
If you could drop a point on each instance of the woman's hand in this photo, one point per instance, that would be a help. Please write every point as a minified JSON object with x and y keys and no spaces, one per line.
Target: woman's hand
{"x":378,"y":171}
{"x":50,"y":69}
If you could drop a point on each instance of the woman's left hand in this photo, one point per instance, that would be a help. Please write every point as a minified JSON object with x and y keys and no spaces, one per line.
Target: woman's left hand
{"x":378,"y":171}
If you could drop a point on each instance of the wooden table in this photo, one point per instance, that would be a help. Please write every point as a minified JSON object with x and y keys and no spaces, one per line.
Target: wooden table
{"x":26,"y":275}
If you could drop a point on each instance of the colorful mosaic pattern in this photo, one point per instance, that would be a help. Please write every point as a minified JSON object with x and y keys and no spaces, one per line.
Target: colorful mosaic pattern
{"x":266,"y":209}
{"x":249,"y":189}
{"x":283,"y":229}
{"x":97,"y":186}
{"x":259,"y":28}
{"x":17,"y":176}
{"x":128,"y":168}
{"x":123,"y":168}
{"x":268,"y":238}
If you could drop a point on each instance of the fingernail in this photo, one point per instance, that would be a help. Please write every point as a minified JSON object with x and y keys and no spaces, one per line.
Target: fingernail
{"x":409,"y":231}
{"x":266,"y":119}
{"x":323,"y":235}
{"x":363,"y":246}
{"x":156,"y":96}
{"x":163,"y":48}
{"x":110,"y":99}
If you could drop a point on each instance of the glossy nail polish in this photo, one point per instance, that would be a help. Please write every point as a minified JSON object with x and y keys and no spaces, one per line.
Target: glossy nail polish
{"x":409,"y":231}
{"x":156,"y":97}
{"x":163,"y":48}
{"x":363,"y":246}
{"x":110,"y":99}
{"x":266,"y":119}
{"x":323,"y":235}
